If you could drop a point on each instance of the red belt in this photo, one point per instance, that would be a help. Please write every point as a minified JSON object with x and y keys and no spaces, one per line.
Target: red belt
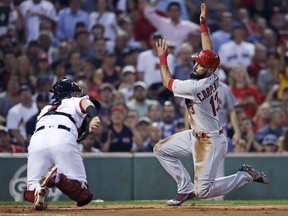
{"x":199,"y":135}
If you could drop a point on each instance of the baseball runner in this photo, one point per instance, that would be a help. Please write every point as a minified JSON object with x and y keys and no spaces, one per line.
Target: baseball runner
{"x":205,"y":142}
{"x":53,"y":155}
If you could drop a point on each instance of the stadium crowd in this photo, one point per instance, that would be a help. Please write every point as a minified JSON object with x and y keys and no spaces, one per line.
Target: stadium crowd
{"x":107,"y":47}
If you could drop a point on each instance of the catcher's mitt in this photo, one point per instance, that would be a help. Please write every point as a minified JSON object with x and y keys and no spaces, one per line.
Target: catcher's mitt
{"x":84,"y":129}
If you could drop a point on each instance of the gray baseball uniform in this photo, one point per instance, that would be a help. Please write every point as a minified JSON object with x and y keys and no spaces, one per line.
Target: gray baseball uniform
{"x":205,"y":142}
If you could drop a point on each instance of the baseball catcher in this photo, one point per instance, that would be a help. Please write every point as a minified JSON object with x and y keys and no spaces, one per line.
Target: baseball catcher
{"x":53,"y":155}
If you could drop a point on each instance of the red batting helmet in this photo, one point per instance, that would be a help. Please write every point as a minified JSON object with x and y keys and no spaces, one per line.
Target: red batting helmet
{"x":207,"y":58}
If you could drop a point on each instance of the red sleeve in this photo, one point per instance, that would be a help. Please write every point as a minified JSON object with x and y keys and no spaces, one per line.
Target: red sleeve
{"x":170,"y":83}
{"x":81,"y":107}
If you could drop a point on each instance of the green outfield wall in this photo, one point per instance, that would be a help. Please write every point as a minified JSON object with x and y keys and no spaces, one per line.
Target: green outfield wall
{"x":125,"y":176}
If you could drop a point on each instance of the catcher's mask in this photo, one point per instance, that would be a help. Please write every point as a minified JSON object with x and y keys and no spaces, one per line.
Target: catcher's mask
{"x":63,"y":88}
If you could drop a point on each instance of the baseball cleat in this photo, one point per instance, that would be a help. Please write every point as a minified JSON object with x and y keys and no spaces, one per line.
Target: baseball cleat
{"x":256,"y":175}
{"x":40,"y":201}
{"x":180,"y":198}
{"x":47,"y":179}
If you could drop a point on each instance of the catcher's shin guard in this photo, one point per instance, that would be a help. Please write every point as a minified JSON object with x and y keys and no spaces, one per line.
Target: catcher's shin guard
{"x":29,"y":195}
{"x":75,"y":190}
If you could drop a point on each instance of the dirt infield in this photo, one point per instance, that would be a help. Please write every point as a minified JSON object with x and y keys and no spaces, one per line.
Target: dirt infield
{"x":153,"y":210}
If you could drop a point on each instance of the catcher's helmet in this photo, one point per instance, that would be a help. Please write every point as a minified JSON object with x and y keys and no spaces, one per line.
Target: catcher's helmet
{"x":63,"y":88}
{"x":207,"y":58}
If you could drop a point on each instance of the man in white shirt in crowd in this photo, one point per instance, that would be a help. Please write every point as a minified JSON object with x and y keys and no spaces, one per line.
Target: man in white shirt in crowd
{"x":150,"y":72}
{"x":19,"y":114}
{"x":33,"y":11}
{"x":168,"y":26}
{"x":236,"y":51}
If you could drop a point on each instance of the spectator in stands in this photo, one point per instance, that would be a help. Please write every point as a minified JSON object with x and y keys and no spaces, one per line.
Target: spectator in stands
{"x":261,"y":118}
{"x":236,"y":51}
{"x":259,"y":62}
{"x":6,"y":144}
{"x":283,"y":142}
{"x":140,"y":102}
{"x":275,"y":126}
{"x":33,"y":11}
{"x":128,"y":80}
{"x":99,"y":47}
{"x":246,"y":93}
{"x":106,"y":98}
{"x":131,"y":121}
{"x":45,"y":44}
{"x":6,"y":71}
{"x":277,"y":19}
{"x":43,"y":86}
{"x":119,"y":98}
{"x":223,"y":35}
{"x":10,"y":18}
{"x":269,"y":40}
{"x":62,"y":52}
{"x":142,"y":27}
{"x":155,"y":135}
{"x":121,"y":43}
{"x":150,"y":73}
{"x":283,"y":72}
{"x":107,"y":19}
{"x":109,"y":72}
{"x":42,"y":68}
{"x":259,"y":28}
{"x":127,"y":26}
{"x":86,"y":74}
{"x":83,"y":45}
{"x":32,"y":50}
{"x":23,"y":70}
{"x":172,"y":23}
{"x":19,"y":114}
{"x":143,"y":127}
{"x":268,"y":76}
{"x":269,"y":143}
{"x":47,"y":27}
{"x":168,"y":121}
{"x":58,"y":70}
{"x":285,"y":106}
{"x":41,"y":101}
{"x":10,"y":97}
{"x":68,"y":18}
{"x":87,"y":144}
{"x":130,"y":56}
{"x":74,"y":63}
{"x":185,"y":66}
{"x":154,"y":112}
{"x":118,"y":137}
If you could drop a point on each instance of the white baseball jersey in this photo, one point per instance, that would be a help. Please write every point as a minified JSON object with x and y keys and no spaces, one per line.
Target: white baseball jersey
{"x":54,"y":143}
{"x":204,"y":96}
{"x":70,"y":106}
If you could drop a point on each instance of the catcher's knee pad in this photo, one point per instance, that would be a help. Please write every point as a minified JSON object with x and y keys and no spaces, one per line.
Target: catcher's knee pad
{"x":75,"y":189}
{"x":29,"y":195}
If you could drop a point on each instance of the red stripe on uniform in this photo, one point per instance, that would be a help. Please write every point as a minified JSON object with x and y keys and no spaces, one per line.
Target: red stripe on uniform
{"x":81,"y":107}
{"x":170,"y":83}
